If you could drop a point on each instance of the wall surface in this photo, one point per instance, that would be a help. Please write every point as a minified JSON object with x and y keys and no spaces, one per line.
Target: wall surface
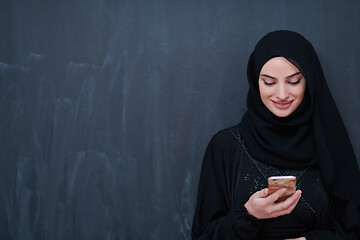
{"x":106,"y":107}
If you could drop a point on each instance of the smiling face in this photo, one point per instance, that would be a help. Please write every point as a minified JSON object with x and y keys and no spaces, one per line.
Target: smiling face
{"x":281,"y":86}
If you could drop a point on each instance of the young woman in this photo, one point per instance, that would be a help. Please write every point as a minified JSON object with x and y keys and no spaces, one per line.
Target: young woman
{"x":292,"y":127}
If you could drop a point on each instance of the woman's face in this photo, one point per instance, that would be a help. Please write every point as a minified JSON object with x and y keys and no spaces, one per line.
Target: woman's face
{"x":281,"y":86}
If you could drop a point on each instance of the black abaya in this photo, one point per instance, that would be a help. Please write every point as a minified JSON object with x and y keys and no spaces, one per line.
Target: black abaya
{"x":230,"y":175}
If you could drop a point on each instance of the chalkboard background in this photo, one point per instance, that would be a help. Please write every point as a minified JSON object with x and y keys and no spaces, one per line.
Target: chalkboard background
{"x":106,"y":107}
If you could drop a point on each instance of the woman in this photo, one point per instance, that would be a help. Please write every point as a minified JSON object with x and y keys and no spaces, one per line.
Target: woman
{"x":292,"y":127}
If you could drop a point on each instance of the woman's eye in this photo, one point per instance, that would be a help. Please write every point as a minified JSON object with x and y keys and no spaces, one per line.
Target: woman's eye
{"x":268,"y":83}
{"x":295,"y":82}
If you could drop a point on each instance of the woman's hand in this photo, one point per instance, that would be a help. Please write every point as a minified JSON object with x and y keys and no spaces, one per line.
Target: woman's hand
{"x":262,"y":206}
{"x":300,"y":238}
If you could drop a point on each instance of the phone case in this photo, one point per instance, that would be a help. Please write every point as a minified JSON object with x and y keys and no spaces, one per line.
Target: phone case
{"x":277,"y":182}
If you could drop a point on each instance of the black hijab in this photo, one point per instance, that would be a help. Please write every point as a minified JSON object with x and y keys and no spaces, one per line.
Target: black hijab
{"x":314,"y":133}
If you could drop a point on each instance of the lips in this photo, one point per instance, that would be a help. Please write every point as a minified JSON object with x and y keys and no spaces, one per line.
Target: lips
{"x":281,"y":104}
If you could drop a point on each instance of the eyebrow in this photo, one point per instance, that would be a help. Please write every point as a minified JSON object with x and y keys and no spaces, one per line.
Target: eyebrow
{"x":292,"y":75}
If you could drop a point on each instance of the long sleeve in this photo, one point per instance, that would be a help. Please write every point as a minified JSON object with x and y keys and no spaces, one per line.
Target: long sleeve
{"x":345,"y":226}
{"x":215,"y":217}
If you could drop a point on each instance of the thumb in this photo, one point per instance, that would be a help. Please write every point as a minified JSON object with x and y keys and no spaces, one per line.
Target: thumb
{"x":262,"y":193}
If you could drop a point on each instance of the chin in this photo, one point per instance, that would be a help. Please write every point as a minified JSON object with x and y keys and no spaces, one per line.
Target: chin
{"x":282,"y":114}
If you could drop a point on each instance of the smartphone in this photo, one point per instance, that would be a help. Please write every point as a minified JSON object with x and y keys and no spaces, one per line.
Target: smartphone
{"x":277,"y":182}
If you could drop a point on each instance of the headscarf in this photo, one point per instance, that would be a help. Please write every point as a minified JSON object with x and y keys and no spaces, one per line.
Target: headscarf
{"x":314,"y":133}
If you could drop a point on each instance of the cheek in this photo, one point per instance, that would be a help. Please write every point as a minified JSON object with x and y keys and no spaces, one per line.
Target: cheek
{"x":301,"y":91}
{"x":265,"y":92}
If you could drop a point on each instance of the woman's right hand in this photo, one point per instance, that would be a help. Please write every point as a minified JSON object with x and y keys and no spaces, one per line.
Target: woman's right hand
{"x":262,"y":206}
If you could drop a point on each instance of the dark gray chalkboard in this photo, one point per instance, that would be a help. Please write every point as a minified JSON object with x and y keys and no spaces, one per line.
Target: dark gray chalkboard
{"x":106,"y":107}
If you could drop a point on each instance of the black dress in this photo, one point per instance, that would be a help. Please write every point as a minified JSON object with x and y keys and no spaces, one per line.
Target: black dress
{"x":230,"y":175}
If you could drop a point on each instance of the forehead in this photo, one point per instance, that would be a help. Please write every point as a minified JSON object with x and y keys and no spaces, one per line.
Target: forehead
{"x":279,"y":66}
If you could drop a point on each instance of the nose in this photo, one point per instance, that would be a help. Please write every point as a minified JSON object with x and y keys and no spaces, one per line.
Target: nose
{"x":282,"y":92}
